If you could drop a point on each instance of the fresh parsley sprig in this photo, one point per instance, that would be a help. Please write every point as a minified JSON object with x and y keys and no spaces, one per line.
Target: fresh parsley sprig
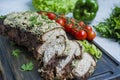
{"x":16,"y":52}
{"x":27,"y":66}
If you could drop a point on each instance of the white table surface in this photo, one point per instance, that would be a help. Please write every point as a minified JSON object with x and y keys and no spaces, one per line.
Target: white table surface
{"x":105,"y":6}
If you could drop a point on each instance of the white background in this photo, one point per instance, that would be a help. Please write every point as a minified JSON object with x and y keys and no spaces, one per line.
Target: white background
{"x":105,"y":8}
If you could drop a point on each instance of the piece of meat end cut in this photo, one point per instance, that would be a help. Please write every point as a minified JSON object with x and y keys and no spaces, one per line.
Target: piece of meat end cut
{"x":17,"y":27}
{"x":83,"y":68}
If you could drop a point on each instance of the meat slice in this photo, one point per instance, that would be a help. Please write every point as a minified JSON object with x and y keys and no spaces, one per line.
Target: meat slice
{"x":79,"y":49}
{"x":63,"y":62}
{"x":75,"y":51}
{"x":84,"y":67}
{"x":51,"y":37}
{"x":54,"y":48}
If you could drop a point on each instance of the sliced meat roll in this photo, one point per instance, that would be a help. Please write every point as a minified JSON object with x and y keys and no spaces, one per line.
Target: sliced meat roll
{"x":60,"y":58}
{"x":84,"y":67}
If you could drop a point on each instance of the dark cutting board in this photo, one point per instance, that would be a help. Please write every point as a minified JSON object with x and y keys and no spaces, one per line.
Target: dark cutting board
{"x":11,"y":65}
{"x":107,"y":66}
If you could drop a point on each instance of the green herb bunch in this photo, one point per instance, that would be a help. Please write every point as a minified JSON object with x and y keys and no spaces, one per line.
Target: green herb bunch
{"x":111,"y":27}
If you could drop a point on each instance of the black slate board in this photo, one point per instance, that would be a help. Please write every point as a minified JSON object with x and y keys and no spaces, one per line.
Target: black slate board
{"x":107,"y":67}
{"x":11,"y":65}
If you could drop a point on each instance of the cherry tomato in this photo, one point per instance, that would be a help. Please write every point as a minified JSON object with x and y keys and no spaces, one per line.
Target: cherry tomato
{"x":88,"y":28}
{"x":81,"y":23}
{"x":64,"y":19}
{"x":68,"y":27}
{"x":51,"y":15}
{"x":62,"y":16}
{"x":60,"y":21}
{"x":91,"y":35}
{"x":74,"y":30}
{"x":81,"y":35}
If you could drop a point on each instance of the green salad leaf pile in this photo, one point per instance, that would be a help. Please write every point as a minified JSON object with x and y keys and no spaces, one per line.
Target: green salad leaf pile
{"x":92,"y":49}
{"x":58,"y":6}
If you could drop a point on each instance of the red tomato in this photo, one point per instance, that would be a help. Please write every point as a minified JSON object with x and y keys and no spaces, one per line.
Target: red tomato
{"x":51,"y":15}
{"x":91,"y":35}
{"x":81,"y":35}
{"x":68,"y":27}
{"x":81,"y":23}
{"x":62,"y":16}
{"x":60,"y":21}
{"x":73,"y":31}
{"x":64,"y":19}
{"x":88,"y":28}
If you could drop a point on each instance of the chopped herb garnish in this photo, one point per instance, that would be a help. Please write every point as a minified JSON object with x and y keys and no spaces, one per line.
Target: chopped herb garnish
{"x":2,"y":17}
{"x":18,"y":17}
{"x":33,"y":18}
{"x":27,"y":67}
{"x":49,"y":21}
{"x":33,"y":21}
{"x":44,"y":17}
{"x":56,"y":78}
{"x":39,"y":23}
{"x":16,"y":52}
{"x":12,"y":43}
